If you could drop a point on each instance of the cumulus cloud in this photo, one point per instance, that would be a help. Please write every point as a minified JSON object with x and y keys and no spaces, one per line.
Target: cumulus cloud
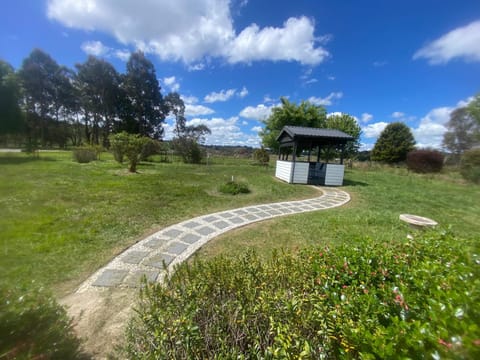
{"x":373,"y":130}
{"x":257,"y":129}
{"x":172,"y":83}
{"x":223,"y":95}
{"x":242,"y":93}
{"x":259,"y":112}
{"x":462,"y":42}
{"x":123,"y":55}
{"x":327,"y":100}
{"x":398,"y":115}
{"x":95,"y":48}
{"x":192,"y":30}
{"x":197,"y":110}
{"x":431,"y":128}
{"x":226,"y":132}
{"x":366,"y":117}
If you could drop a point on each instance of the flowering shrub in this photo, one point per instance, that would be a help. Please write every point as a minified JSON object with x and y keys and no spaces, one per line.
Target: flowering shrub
{"x":407,"y":299}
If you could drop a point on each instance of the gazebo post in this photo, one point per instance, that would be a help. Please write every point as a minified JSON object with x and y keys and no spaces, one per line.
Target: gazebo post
{"x":318,"y":153}
{"x":309,"y":150}
{"x":341,"y":154}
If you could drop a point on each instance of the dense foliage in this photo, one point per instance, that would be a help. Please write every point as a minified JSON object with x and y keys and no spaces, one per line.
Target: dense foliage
{"x":425,"y":161}
{"x":393,"y":144}
{"x":463,"y":130}
{"x":130,"y":146}
{"x":414,"y":298}
{"x":34,"y":326}
{"x":84,"y":154}
{"x":261,"y":156}
{"x":470,"y":165}
{"x":234,"y":188}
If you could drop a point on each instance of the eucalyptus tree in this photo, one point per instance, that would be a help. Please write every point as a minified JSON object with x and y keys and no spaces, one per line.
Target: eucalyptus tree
{"x":11,"y":121}
{"x":143,"y":91}
{"x":37,"y":75}
{"x":174,"y":104}
{"x":349,"y":125}
{"x":98,"y":84}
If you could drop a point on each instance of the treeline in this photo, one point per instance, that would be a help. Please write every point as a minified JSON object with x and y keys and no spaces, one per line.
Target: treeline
{"x":44,"y":104}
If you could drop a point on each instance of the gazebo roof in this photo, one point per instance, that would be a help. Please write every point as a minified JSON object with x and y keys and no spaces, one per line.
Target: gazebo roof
{"x":300,"y":134}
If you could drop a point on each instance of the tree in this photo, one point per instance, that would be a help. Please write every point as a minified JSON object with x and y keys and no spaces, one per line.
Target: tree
{"x":37,"y":75}
{"x":130,"y":146}
{"x":143,"y":91}
{"x":174,"y":104}
{"x":393,"y":144}
{"x":463,"y":128}
{"x":98,"y":83}
{"x":11,"y":121}
{"x":348,"y":125}
{"x":305,"y":114}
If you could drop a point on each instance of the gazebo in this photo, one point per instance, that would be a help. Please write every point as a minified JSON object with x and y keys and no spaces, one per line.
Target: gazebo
{"x":296,"y":139}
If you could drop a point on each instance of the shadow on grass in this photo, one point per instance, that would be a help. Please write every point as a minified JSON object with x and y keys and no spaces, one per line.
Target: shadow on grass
{"x":14,"y":160}
{"x":347,"y":182}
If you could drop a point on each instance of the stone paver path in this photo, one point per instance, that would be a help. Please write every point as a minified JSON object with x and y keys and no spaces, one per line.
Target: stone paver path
{"x":176,"y":243}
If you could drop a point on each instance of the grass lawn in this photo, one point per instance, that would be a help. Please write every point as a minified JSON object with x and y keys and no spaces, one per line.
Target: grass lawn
{"x":61,"y":220}
{"x":379,"y":196}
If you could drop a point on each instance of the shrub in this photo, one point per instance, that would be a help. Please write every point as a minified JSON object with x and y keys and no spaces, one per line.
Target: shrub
{"x":34,"y":326}
{"x":129,"y":146}
{"x":188,"y":149}
{"x":425,"y":161}
{"x":470,"y":165}
{"x":150,"y":148}
{"x":234,"y":188}
{"x":85,"y":154}
{"x":118,"y":144}
{"x":408,"y":299}
{"x":261,"y":157}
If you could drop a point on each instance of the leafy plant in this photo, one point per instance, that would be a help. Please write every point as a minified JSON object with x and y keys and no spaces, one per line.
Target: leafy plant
{"x":234,"y":188}
{"x":406,"y":299}
{"x":470,"y":165}
{"x":129,"y":146}
{"x":393,"y":144}
{"x":34,"y":326}
{"x":261,"y":156}
{"x":85,"y":154}
{"x":425,"y":161}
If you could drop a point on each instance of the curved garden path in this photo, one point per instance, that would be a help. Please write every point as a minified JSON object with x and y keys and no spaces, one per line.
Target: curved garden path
{"x":102,"y":305}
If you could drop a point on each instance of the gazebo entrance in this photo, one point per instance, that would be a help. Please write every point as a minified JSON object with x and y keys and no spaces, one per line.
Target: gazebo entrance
{"x":295,"y":140}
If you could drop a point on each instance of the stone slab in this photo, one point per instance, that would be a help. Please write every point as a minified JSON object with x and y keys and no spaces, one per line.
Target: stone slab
{"x":172,"y":233}
{"x":159,"y":260}
{"x":134,"y":257}
{"x":191,"y":224}
{"x":190,"y":238}
{"x":155,"y":243}
{"x":110,"y":277}
{"x":250,"y":217}
{"x":206,"y":230}
{"x":135,"y":277}
{"x":226,"y":215}
{"x":176,"y":248}
{"x":221,"y":224}
{"x":236,"y":220}
{"x":210,"y":218}
{"x":240,"y":212}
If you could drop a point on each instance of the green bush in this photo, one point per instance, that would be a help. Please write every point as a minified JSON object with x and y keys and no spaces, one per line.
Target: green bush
{"x":234,"y":188}
{"x":470,"y":165}
{"x":34,"y":326}
{"x":408,"y":299}
{"x":425,"y":161}
{"x":188,"y":149}
{"x":85,"y":154}
{"x":261,"y":157}
{"x":150,"y":148}
{"x":129,"y":146}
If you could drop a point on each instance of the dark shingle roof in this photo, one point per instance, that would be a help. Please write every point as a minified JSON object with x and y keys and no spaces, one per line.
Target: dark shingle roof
{"x":300,"y":131}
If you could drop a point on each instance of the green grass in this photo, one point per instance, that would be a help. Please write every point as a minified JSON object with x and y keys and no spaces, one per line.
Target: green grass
{"x":62,"y":220}
{"x":379,"y":196}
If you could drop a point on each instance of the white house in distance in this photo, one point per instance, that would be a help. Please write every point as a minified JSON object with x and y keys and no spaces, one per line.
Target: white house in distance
{"x":296,"y":139}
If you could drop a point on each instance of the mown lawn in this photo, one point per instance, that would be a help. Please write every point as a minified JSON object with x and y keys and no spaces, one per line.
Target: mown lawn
{"x":62,"y":220}
{"x":379,"y":196}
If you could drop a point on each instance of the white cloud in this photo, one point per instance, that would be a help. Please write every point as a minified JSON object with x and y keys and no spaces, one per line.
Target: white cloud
{"x":311,"y":81}
{"x":197,"y":110}
{"x":123,"y":55}
{"x":331,"y":78}
{"x":189,"y":99}
{"x":397,"y":115}
{"x":192,"y":31}
{"x":172,"y":83}
{"x":373,"y":130}
{"x":327,"y":100}
{"x":462,"y":42}
{"x":257,"y":129}
{"x":366,"y":117}
{"x":431,"y":128}
{"x":223,"y":95}
{"x":379,"y":63}
{"x":259,"y":112}
{"x":95,"y":48}
{"x":243,"y":92}
{"x":196,"y":67}
{"x":226,"y":132}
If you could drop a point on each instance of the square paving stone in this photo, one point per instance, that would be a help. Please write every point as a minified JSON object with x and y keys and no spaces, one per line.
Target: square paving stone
{"x":176,"y":248}
{"x":155,"y":243}
{"x":134,"y":257}
{"x":253,"y":209}
{"x":263,"y":215}
{"x":226,"y":215}
{"x":250,"y":217}
{"x":240,"y":212}
{"x":206,"y":230}
{"x":191,"y":224}
{"x":172,"y":233}
{"x":190,"y":238}
{"x":135,"y":278}
{"x":158,"y":260}
{"x":210,"y":218}
{"x":236,"y":220}
{"x":274,"y":212}
{"x":221,"y":224}
{"x":111,"y":277}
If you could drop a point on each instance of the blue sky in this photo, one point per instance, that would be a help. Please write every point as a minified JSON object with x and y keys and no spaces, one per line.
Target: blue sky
{"x":378,"y":60}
